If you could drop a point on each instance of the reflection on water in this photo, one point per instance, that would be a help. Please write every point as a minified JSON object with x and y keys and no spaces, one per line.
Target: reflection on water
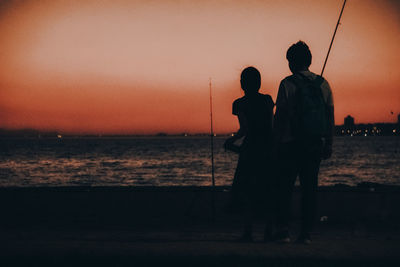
{"x":173,"y":161}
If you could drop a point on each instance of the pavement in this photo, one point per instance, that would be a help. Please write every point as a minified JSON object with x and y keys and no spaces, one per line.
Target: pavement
{"x":191,"y":244}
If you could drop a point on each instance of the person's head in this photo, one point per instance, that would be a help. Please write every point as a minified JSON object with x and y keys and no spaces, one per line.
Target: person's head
{"x":299,"y":56}
{"x":250,"y":80}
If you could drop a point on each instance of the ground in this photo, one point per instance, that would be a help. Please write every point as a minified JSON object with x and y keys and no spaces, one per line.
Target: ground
{"x":203,"y":244}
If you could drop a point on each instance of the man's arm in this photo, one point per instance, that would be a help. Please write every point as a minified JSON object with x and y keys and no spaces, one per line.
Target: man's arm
{"x":327,"y":152}
{"x":331,"y":125}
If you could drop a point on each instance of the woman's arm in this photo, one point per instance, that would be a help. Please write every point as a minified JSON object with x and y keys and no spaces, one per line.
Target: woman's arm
{"x":243,"y":126}
{"x":229,"y":143}
{"x":281,"y":113}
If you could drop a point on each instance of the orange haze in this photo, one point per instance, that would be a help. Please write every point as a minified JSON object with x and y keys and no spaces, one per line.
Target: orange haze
{"x":144,"y":66}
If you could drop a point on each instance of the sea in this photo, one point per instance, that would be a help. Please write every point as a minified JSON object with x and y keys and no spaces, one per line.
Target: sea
{"x":174,"y":161}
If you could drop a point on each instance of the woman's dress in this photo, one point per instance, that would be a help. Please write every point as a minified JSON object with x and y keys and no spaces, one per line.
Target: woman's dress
{"x":253,"y":175}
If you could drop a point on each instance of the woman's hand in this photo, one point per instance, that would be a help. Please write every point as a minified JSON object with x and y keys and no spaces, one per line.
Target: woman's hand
{"x":230,"y":144}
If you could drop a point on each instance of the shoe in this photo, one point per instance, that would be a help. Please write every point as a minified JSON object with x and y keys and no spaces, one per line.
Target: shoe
{"x":304,"y":238}
{"x":268,"y":237}
{"x":282,"y":237}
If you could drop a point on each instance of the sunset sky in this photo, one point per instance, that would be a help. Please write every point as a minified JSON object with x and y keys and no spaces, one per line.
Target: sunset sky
{"x":144,"y":66}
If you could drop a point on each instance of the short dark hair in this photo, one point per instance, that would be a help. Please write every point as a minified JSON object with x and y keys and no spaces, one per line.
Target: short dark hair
{"x":299,"y":55}
{"x":250,"y":79}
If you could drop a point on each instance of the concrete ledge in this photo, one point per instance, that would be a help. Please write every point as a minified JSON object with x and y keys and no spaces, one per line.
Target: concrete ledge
{"x":163,"y":205}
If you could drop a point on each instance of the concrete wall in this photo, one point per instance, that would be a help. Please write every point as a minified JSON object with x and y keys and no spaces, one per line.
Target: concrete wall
{"x":164,"y":205}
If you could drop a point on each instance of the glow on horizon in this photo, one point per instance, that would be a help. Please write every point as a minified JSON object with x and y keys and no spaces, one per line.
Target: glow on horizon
{"x":143,"y":66}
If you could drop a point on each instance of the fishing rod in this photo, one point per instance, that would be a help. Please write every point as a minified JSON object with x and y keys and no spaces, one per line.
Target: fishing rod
{"x":212,"y":153}
{"x":212,"y":137}
{"x":333,"y":37}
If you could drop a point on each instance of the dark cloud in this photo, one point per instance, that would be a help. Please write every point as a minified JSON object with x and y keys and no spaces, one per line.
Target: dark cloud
{"x":4,"y":5}
{"x":7,"y":5}
{"x":395,"y":4}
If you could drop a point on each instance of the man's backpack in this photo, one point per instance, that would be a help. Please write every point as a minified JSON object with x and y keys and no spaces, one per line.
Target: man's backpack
{"x":310,"y":115}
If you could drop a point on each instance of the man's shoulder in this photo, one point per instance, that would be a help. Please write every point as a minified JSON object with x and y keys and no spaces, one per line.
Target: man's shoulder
{"x":287,"y":78}
{"x":315,"y":76}
{"x":287,"y":82}
{"x":290,"y":80}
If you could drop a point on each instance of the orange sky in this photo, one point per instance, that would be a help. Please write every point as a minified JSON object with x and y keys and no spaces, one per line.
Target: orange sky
{"x":144,"y":66}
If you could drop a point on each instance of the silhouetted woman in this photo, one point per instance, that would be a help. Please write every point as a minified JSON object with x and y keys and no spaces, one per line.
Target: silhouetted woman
{"x":253,"y":175}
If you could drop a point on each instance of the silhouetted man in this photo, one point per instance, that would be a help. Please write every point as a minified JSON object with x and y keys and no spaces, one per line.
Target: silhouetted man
{"x":304,"y":121}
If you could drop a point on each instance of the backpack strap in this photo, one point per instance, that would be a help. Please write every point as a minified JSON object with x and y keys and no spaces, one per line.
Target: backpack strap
{"x":319,"y":80}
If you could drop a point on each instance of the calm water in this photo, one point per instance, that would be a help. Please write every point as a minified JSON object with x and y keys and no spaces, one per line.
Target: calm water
{"x":173,"y":161}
